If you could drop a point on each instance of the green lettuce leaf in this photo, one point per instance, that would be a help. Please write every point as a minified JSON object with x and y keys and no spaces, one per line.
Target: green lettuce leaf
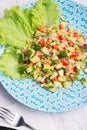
{"x":44,"y":12}
{"x":15,"y":28}
{"x":9,"y":64}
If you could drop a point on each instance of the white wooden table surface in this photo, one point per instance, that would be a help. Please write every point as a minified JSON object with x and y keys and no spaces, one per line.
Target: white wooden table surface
{"x":74,"y":120}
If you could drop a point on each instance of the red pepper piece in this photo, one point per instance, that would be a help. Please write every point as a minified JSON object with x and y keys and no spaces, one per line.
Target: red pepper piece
{"x":60,"y":38}
{"x":75,"y":69}
{"x":55,"y":78}
{"x":64,"y":62}
{"x":85,"y":45}
{"x":55,"y":47}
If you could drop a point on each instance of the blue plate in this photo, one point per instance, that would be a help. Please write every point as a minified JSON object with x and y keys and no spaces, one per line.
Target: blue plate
{"x":29,"y":93}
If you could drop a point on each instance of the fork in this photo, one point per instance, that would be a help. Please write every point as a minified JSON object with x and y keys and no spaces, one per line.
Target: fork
{"x":13,"y":118}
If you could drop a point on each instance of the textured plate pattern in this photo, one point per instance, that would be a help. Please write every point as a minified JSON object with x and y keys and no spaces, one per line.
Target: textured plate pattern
{"x":32,"y":95}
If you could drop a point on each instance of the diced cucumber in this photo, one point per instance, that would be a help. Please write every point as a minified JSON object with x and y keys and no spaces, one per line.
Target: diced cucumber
{"x":57,"y":84}
{"x":39,"y":79}
{"x":35,"y":59}
{"x":45,"y":50}
{"x":85,"y":70}
{"x":47,"y":66}
{"x":82,"y":64}
{"x":54,"y":75}
{"x":66,"y":84}
{"x":58,"y":66}
{"x":81,"y":40}
{"x":36,"y":74}
{"x":38,"y":64}
{"x":62,"y":78}
{"x":83,"y":81}
{"x":61,"y":72}
{"x":55,"y":58}
{"x":31,"y":53}
{"x":48,"y":80}
{"x":30,"y":69}
{"x":52,"y":89}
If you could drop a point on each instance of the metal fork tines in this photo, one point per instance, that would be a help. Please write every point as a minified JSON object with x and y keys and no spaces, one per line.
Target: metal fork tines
{"x":13,"y":118}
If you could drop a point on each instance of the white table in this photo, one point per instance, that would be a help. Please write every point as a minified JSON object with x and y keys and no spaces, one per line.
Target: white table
{"x":74,"y":120}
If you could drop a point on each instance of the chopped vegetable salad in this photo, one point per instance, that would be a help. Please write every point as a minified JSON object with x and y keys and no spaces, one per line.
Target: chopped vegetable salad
{"x":54,"y":57}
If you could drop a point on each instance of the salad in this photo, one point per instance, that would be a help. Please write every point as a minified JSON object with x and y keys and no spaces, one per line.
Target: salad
{"x":54,"y":57}
{"x":39,"y":45}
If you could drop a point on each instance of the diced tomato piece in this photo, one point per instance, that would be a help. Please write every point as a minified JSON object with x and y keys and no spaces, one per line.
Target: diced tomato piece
{"x":41,"y":42}
{"x":55,"y":47}
{"x":73,"y":56}
{"x":60,"y":38}
{"x":64,"y":48}
{"x":69,"y":30}
{"x":25,"y":51}
{"x":31,"y":63}
{"x":75,"y":34}
{"x":85,"y":45}
{"x":55,"y":78}
{"x":41,"y":28}
{"x":71,"y":44}
{"x":46,"y":44}
{"x":40,"y":56}
{"x":64,"y":62}
{"x":61,"y":26}
{"x":75,"y":69}
{"x":71,"y":76}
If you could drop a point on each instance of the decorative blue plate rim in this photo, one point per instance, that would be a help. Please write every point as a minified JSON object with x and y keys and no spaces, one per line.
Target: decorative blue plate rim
{"x":29,"y":93}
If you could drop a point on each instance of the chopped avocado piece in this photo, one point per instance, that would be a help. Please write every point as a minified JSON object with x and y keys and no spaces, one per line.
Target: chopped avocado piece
{"x":48,"y":80}
{"x":83,"y":81}
{"x":63,"y":54}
